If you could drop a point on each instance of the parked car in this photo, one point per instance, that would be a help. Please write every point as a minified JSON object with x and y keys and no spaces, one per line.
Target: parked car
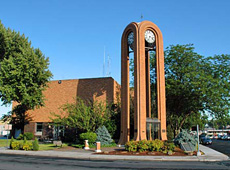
{"x":220,"y":136}
{"x":211,"y":136}
{"x":205,"y":141}
{"x":225,"y":137}
{"x":215,"y":137}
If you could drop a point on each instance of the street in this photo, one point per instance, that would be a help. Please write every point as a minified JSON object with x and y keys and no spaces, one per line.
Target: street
{"x":16,"y":162}
{"x":222,"y":146}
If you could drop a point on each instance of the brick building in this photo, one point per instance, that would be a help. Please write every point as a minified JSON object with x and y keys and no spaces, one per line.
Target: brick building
{"x":61,"y":92}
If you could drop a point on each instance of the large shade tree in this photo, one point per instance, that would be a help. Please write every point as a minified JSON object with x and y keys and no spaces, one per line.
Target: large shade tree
{"x":24,"y":73}
{"x":195,"y":85}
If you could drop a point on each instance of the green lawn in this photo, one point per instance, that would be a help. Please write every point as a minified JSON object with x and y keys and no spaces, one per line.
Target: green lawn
{"x":49,"y":146}
{"x":3,"y":142}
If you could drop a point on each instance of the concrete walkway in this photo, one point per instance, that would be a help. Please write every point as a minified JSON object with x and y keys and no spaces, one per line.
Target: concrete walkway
{"x":210,"y":155}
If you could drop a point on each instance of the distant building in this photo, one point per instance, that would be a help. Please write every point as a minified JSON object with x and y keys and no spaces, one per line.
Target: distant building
{"x":61,"y":92}
{"x":4,"y":128}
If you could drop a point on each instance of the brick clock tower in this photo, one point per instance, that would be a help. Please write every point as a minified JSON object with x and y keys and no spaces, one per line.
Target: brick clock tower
{"x":140,"y":39}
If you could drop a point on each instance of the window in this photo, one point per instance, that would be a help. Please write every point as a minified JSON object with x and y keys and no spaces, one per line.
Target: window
{"x":39,"y":127}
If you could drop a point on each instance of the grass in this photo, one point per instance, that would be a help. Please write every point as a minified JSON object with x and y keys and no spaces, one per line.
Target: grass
{"x":92,"y":145}
{"x":49,"y":146}
{"x":109,"y":145}
{"x":42,"y":147}
{"x":3,"y":142}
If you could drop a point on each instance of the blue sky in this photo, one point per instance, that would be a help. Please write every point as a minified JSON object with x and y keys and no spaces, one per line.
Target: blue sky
{"x":73,"y":34}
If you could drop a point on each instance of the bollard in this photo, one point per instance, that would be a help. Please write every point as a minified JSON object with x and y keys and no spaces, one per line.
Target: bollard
{"x":86,"y":145}
{"x":98,"y":147}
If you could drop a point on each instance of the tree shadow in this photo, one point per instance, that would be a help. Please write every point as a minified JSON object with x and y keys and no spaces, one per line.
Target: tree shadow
{"x":92,"y":89}
{"x":20,"y":118}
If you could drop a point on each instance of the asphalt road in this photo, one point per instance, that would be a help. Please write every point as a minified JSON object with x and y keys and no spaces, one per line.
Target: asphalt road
{"x":222,"y":146}
{"x":16,"y":162}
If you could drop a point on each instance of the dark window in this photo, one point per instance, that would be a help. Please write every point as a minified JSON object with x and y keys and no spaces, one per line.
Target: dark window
{"x":39,"y":127}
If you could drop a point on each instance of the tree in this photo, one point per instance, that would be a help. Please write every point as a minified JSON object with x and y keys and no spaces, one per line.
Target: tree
{"x":219,"y":123}
{"x":195,"y":85}
{"x":103,"y":136}
{"x":86,"y":116}
{"x":24,"y":73}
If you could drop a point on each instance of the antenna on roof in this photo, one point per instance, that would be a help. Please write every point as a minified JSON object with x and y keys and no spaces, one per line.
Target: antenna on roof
{"x":108,"y":67}
{"x":104,"y":64}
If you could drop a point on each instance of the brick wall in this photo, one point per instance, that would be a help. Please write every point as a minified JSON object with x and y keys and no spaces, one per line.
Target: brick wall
{"x":65,"y":91}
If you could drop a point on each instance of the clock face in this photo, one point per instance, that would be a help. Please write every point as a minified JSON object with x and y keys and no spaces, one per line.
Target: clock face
{"x":131,"y":40}
{"x":149,"y":37}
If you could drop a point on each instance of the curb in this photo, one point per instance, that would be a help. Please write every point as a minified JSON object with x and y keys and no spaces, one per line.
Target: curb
{"x":90,"y":156}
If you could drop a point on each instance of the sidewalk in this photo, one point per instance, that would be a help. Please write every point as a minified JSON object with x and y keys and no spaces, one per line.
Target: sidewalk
{"x":210,"y":155}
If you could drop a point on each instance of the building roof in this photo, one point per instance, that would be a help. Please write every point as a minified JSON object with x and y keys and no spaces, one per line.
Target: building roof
{"x":61,"y":92}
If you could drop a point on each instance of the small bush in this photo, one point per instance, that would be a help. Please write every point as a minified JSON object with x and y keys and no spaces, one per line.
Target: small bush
{"x":156,"y":145}
{"x":90,"y":136}
{"x":11,"y":141}
{"x":168,"y":146}
{"x":185,"y":137}
{"x":35,"y":145}
{"x":27,"y":135}
{"x":21,"y":145}
{"x":15,"y":145}
{"x":25,"y":140}
{"x":131,"y":146}
{"x":103,"y":136}
{"x":143,"y":145}
{"x":20,"y":137}
{"x":27,"y":146}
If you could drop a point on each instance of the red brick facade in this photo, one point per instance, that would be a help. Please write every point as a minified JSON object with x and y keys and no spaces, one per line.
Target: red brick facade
{"x":61,"y":92}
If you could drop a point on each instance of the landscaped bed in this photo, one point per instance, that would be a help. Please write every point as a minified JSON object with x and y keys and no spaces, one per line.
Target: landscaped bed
{"x":177,"y":152}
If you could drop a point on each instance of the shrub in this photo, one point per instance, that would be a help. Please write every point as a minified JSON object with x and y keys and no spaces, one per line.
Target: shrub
{"x":156,"y":145}
{"x":27,"y":146}
{"x":27,"y":135}
{"x":11,"y":141}
{"x":25,"y":141}
{"x":103,"y":136}
{"x":143,"y":145}
{"x":20,"y":137}
{"x":90,"y":136}
{"x":131,"y":146}
{"x":168,"y":146}
{"x":15,"y":145}
{"x":185,"y":137}
{"x":35,"y":145}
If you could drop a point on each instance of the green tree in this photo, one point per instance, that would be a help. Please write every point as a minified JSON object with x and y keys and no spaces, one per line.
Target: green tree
{"x":24,"y":73}
{"x":112,"y":121}
{"x":195,"y":85}
{"x":219,"y":123}
{"x":86,"y":116}
{"x":103,"y":136}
